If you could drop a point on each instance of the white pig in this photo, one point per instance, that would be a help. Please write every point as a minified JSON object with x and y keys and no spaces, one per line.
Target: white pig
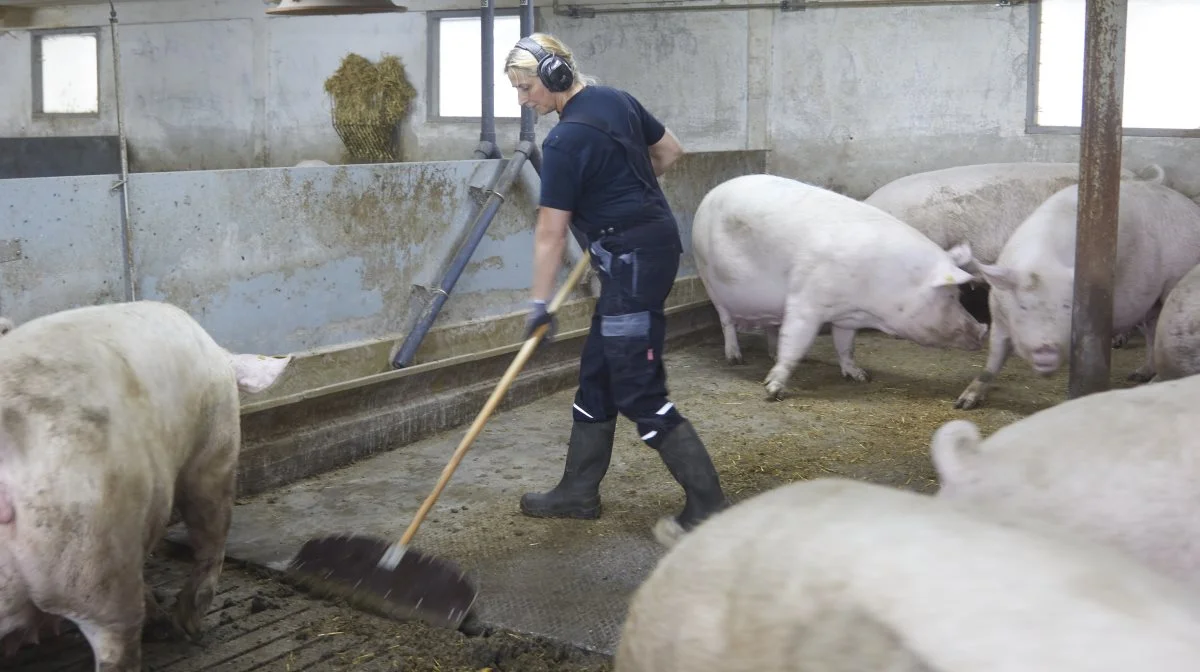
{"x":979,"y":205}
{"x":1032,"y":281}
{"x":1177,"y":335}
{"x":110,"y":415}
{"x":773,"y":251}
{"x":1121,"y":467}
{"x":834,"y":575}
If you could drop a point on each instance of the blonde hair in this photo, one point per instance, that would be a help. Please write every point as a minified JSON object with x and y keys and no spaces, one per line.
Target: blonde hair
{"x":523,"y":62}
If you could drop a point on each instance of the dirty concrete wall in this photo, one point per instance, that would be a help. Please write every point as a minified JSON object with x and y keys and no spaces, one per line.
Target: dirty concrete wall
{"x":863,"y":96}
{"x":216,"y":84}
{"x":848,"y":98}
{"x":288,"y":259}
{"x":60,"y":244}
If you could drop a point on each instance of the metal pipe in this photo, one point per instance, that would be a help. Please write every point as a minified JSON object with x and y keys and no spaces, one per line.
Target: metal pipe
{"x":495,"y":199}
{"x":583,"y":11}
{"x":1099,"y":197}
{"x":487,"y":148}
{"x":528,"y":116}
{"x":126,"y":218}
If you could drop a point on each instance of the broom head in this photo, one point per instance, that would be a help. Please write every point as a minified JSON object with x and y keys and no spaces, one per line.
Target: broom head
{"x":420,"y":586}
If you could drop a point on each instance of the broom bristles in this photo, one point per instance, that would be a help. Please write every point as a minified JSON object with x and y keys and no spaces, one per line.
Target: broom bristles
{"x":419,"y":586}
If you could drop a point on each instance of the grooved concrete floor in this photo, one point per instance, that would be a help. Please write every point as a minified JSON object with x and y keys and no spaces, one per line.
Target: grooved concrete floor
{"x":570,"y":580}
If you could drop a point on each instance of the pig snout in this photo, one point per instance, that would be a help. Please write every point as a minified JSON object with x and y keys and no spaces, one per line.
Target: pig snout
{"x":1045,"y":359}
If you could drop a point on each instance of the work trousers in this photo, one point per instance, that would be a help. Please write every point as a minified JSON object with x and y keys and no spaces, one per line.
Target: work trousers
{"x":621,"y":370}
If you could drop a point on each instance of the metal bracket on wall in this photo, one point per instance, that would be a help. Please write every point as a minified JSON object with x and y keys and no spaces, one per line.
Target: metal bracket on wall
{"x":793,"y":6}
{"x":478,"y":194}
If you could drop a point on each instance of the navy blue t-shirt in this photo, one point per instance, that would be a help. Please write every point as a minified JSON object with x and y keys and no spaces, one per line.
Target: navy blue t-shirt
{"x":588,"y":173}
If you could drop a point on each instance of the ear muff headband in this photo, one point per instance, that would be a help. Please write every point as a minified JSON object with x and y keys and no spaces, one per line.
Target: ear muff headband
{"x":552,"y":70}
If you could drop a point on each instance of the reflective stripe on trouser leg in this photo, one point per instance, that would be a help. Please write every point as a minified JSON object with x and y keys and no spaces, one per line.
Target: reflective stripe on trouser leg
{"x":633,"y":344}
{"x":593,"y":400}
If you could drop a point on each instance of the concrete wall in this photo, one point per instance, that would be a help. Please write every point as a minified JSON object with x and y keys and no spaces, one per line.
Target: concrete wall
{"x":216,"y":84}
{"x":863,"y":96}
{"x":288,"y":259}
{"x":848,"y":98}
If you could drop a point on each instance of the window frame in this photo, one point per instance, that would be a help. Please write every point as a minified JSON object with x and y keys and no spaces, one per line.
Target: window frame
{"x":1031,"y":98}
{"x":36,"y":100}
{"x":433,"y":69}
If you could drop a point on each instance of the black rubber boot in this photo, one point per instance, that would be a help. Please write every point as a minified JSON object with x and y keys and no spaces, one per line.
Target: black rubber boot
{"x":577,"y":495}
{"x":688,"y":461}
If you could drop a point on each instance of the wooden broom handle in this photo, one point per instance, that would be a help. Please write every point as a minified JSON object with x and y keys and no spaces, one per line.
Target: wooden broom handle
{"x":506,"y":381}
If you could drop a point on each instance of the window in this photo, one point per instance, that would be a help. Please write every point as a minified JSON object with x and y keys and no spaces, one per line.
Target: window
{"x":455,"y":89}
{"x":66,"y":73}
{"x":1161,"y":52}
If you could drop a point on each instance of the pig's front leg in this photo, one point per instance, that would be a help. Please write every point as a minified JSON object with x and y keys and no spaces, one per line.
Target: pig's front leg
{"x":1145,"y":372}
{"x":843,"y":342}
{"x":158,"y":624}
{"x":1148,"y":325}
{"x":733,"y":353}
{"x":999,"y":348}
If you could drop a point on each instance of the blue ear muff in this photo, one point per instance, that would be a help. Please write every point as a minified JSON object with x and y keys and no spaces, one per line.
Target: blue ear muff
{"x":554,"y":73}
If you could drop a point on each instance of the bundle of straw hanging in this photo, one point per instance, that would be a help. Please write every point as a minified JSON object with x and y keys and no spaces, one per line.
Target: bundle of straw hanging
{"x":369,"y":101}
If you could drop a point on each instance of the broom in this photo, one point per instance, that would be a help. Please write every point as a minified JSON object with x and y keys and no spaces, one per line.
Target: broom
{"x":390,"y":578}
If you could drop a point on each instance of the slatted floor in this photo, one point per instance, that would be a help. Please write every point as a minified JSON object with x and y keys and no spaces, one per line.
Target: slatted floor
{"x":254,"y":624}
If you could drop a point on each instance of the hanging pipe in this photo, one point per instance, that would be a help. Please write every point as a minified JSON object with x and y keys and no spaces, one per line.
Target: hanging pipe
{"x":528,"y":116}
{"x":487,"y":148}
{"x":126,"y":226}
{"x":495,"y":199}
{"x":531,"y":173}
{"x":482,"y":217}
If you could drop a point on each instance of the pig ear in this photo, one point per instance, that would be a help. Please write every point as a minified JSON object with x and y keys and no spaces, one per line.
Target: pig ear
{"x":953,"y":445}
{"x":256,"y":373}
{"x":961,"y":254}
{"x":951,"y":276}
{"x":6,"y":325}
{"x":998,"y":276}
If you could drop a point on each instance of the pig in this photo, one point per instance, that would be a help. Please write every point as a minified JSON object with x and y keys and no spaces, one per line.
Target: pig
{"x":311,"y":163}
{"x":1032,"y":281}
{"x":776,"y":252}
{"x":979,"y":205}
{"x":1177,"y":335}
{"x":1121,"y":467}
{"x":110,"y":417}
{"x":835,"y":574}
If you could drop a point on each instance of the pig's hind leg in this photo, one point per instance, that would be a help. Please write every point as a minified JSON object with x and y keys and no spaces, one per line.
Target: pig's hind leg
{"x":796,"y":335}
{"x":106,"y":605}
{"x":843,"y":343}
{"x":205,"y":502}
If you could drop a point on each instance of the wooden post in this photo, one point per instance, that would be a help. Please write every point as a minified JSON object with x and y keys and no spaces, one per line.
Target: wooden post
{"x":1099,"y":197}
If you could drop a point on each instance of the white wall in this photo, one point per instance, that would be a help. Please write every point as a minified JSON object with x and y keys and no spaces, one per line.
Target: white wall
{"x":848,"y":98}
